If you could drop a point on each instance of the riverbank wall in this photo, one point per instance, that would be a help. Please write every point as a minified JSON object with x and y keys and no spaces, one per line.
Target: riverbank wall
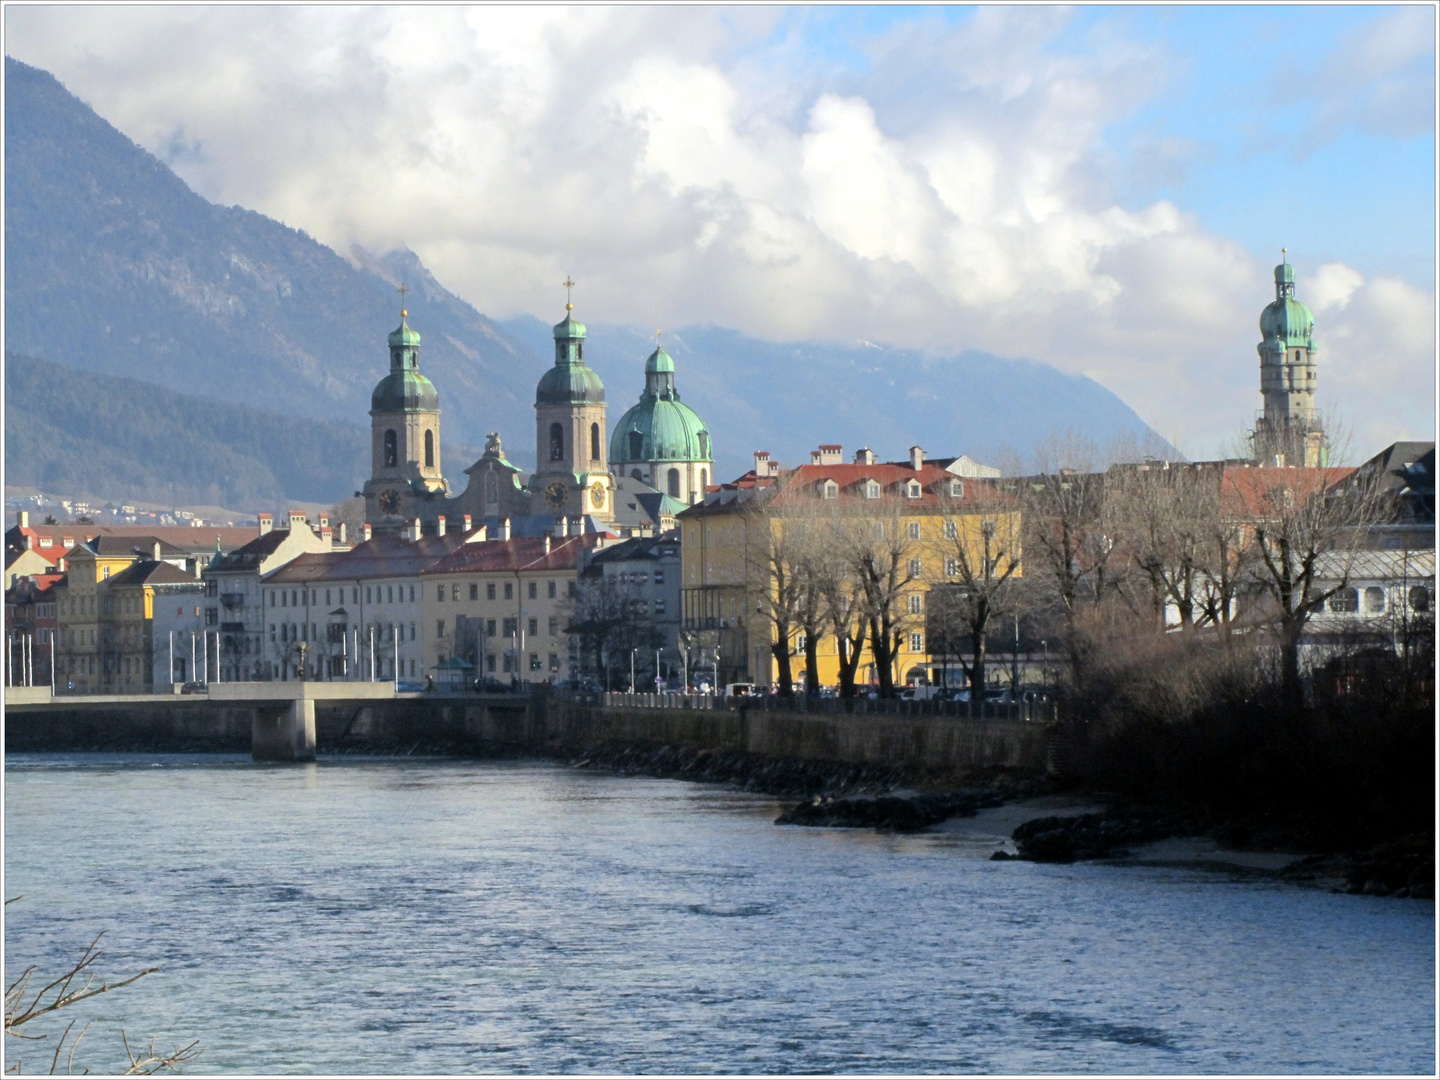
{"x":491,"y":725}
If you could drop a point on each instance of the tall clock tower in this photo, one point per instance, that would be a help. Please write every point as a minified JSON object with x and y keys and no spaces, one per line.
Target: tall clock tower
{"x":405,"y":479}
{"x":572,"y":476}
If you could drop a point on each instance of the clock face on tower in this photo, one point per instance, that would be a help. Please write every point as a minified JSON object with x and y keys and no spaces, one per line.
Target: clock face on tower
{"x":555,"y":493}
{"x":597,"y":494}
{"x":389,"y":501}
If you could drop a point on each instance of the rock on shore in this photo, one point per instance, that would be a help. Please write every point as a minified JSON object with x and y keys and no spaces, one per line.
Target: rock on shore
{"x":898,"y":812}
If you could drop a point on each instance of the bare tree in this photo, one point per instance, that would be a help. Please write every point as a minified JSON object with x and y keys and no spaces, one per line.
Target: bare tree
{"x":778,"y":565}
{"x":24,"y":1006}
{"x":1165,"y":516}
{"x":980,"y":548}
{"x":884,"y":558}
{"x":610,"y":619}
{"x":837,"y":539}
{"x":1293,"y":521}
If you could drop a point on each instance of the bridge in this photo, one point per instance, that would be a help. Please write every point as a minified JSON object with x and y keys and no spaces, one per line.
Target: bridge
{"x":282,"y":726}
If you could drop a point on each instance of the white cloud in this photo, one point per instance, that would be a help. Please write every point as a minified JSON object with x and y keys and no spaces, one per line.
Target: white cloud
{"x":685,"y":166}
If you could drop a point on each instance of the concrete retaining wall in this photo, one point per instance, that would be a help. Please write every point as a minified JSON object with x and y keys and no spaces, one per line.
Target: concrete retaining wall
{"x":477,"y":725}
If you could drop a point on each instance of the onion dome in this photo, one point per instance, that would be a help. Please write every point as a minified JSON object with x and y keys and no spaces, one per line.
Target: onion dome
{"x":570,"y":381}
{"x":404,"y":389}
{"x":660,"y":427}
{"x":1285,"y":321}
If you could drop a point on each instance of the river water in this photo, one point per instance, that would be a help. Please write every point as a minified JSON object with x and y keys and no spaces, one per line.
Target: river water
{"x":400,"y":916}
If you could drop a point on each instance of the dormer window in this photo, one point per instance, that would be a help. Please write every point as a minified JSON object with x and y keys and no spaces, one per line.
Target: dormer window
{"x":872,"y":489}
{"x":912,"y":489}
{"x":957,"y":489}
{"x":830,"y":490}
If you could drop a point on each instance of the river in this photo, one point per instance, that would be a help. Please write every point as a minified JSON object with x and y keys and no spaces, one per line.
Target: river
{"x":402,"y":916}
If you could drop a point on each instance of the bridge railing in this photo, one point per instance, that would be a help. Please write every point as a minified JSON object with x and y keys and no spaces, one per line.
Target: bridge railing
{"x":1036,"y":711}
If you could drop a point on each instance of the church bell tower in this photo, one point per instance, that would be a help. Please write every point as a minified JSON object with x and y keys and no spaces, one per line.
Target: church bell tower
{"x":571,"y":477}
{"x":1288,"y":432}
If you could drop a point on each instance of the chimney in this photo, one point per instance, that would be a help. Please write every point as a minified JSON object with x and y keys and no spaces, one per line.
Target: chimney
{"x":297,"y":517}
{"x":24,"y":519}
{"x":503,"y":533}
{"x":577,"y":526}
{"x":414,"y":531}
{"x":155,"y":550}
{"x":864,"y":456}
{"x":468,"y":526}
{"x":267,"y":522}
{"x":340,"y":532}
{"x":326,"y":536}
{"x":440,"y":525}
{"x":763,"y":465}
{"x":814,"y":457}
{"x":562,"y":526}
{"x":917,"y":458}
{"x":366,"y":528}
{"x":830,"y":454}
{"x":547,"y":543}
{"x":29,"y":540}
{"x":324,"y":521}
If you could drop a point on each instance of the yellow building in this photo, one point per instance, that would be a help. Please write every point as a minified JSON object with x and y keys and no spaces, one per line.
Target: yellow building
{"x":834,"y":544}
{"x":106,"y":609}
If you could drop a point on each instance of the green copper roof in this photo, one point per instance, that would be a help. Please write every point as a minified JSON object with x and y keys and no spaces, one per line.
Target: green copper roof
{"x":659,"y":361}
{"x":402,"y":336}
{"x":568,"y":327}
{"x":668,"y":431}
{"x":404,"y":391}
{"x":1286,"y":322}
{"x":569,"y":384}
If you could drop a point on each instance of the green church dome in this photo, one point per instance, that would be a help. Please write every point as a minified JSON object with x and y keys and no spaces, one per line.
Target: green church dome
{"x":570,"y":381}
{"x":1285,"y":321}
{"x":660,"y":427}
{"x":402,"y":337}
{"x":404,"y":391}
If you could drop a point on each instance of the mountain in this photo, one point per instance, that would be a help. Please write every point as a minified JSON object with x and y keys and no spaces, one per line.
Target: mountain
{"x":115,"y":267}
{"x":110,"y":437}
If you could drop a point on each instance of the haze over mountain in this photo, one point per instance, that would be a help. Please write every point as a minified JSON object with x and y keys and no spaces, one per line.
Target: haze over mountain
{"x":117,"y":268}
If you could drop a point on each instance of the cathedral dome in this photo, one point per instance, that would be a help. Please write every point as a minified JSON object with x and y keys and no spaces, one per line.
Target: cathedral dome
{"x":404,"y":391}
{"x":569,"y":384}
{"x":402,"y":337}
{"x":660,"y":427}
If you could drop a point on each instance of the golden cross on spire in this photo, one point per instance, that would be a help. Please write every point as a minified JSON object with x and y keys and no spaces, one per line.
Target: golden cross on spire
{"x":658,"y":332}
{"x":403,"y":290}
{"x":568,"y":286}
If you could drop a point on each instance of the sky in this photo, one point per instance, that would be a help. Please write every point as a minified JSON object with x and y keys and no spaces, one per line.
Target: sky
{"x":1103,"y":189}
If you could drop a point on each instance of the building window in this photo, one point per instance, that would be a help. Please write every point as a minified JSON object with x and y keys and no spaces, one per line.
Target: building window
{"x":1374,"y":599}
{"x":489,"y":627}
{"x":1345,"y":600}
{"x":412,"y":631}
{"x":474,"y":590}
{"x":831,"y":490}
{"x":557,"y":443}
{"x":439,"y":594}
{"x":659,"y":607}
{"x":532,"y":590}
{"x":455,"y":592}
{"x":1419,"y":598}
{"x":490,"y":661}
{"x":952,"y":567}
{"x":672,"y":483}
{"x":872,"y":489}
{"x":550,"y":590}
{"x":594,"y":442}
{"x":951,"y":531}
{"x":914,"y":530}
{"x":390,"y":451}
{"x":957,"y":489}
{"x":389,"y":594}
{"x":509,"y":627}
{"x":914,"y":568}
{"x":429,"y":449}
{"x":509,"y":591}
{"x":554,"y":661}
{"x":913,"y":489}
{"x":917,"y":643}
{"x":554,"y":626}
{"x":917,"y":604}
{"x":637,"y":448}
{"x":439,"y":628}
{"x":533,"y":629}
{"x":489,"y":590}
{"x":659,"y":577}
{"x":534,"y":661}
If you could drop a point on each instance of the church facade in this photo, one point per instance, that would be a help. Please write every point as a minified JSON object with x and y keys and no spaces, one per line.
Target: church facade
{"x":572,"y":488}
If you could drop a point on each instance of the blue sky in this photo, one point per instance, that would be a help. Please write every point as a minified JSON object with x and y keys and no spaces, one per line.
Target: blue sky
{"x":1103,"y":189}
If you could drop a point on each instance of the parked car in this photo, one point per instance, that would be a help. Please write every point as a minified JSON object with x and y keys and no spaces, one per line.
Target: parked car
{"x":739,"y":689}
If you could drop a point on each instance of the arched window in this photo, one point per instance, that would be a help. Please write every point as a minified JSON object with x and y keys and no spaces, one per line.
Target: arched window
{"x":1374,"y":599}
{"x":594,"y":442}
{"x":429,"y":449}
{"x":557,"y":443}
{"x":1345,"y":600}
{"x":672,"y":483}
{"x":390,"y":454}
{"x":637,"y":445}
{"x":638,"y":475}
{"x":1419,"y":598}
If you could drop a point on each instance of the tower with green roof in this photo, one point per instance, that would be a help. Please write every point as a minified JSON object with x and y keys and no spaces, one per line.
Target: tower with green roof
{"x":572,"y":476}
{"x":661,"y":441}
{"x":1288,"y":431}
{"x":405,"y":471}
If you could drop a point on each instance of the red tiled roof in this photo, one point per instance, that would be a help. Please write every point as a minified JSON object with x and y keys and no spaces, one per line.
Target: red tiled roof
{"x":1249,"y":491}
{"x":521,"y":553}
